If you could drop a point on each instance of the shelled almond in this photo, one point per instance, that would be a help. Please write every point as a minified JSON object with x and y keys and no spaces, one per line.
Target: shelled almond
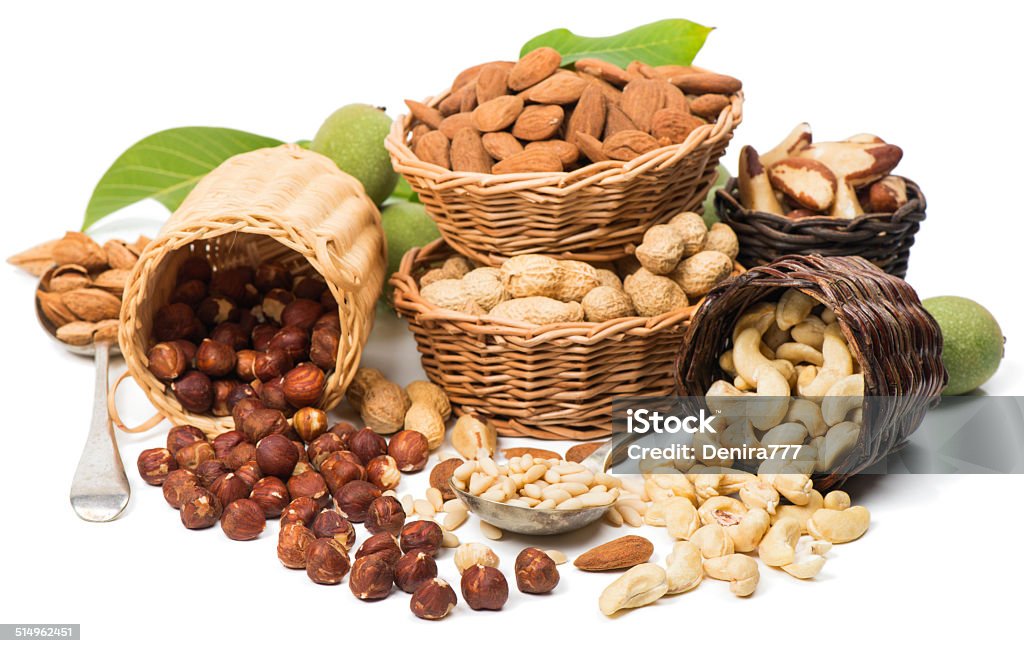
{"x":506,"y":117}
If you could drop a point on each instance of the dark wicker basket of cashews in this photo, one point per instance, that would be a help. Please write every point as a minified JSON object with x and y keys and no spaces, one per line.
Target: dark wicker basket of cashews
{"x":894,"y":344}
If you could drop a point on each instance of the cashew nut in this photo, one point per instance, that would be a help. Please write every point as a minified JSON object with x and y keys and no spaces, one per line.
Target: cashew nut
{"x":758,"y":493}
{"x":722,"y":396}
{"x":760,"y":316}
{"x":840,"y":439}
{"x":793,"y":308}
{"x":845,"y":395}
{"x":838,"y":364}
{"x":726,"y":363}
{"x":810,"y":332}
{"x":796,"y":352}
{"x":713,"y":541}
{"x":747,"y":534}
{"x":787,"y":433}
{"x":681,"y":518}
{"x":773,"y":397}
{"x":724,"y":511}
{"x":642,"y":584}
{"x":837,"y":500}
{"x":795,"y":487}
{"x":808,"y":558}
{"x":675,"y":482}
{"x":778,"y":546}
{"x":839,"y":526}
{"x":740,"y":570}
{"x":748,"y":358}
{"x":773,"y":338}
{"x":802,"y":514}
{"x":807,"y":413}
{"x":739,"y":434}
{"x":684,"y":568}
{"x":706,"y":484}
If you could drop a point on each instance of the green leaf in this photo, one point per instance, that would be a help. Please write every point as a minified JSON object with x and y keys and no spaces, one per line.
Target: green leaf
{"x":165,"y":166}
{"x":671,"y":41}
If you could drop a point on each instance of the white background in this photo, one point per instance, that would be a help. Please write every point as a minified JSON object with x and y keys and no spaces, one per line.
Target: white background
{"x":82,"y":81}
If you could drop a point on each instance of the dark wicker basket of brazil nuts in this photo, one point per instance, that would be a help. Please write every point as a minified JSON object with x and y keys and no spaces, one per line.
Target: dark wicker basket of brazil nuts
{"x":882,"y":238}
{"x":896,"y":342}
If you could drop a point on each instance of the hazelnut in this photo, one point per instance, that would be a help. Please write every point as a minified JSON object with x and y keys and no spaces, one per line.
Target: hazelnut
{"x":200,"y":508}
{"x":250,"y":471}
{"x":410,"y":450}
{"x":413,"y":569}
{"x":433,"y":600}
{"x":354,"y":499}
{"x":243,"y":520}
{"x":226,"y":441}
{"x":190,"y":292}
{"x":383,"y":472}
{"x":240,"y":454}
{"x":472,"y":554}
{"x":536,"y":572}
{"x":292,"y":340}
{"x":292,"y":542}
{"x":231,"y":334}
{"x":343,"y":429}
{"x":263,"y":422}
{"x":176,"y":485}
{"x":328,"y":320}
{"x":309,"y":484}
{"x":484,"y":588}
{"x":304,"y":384}
{"x":331,"y":523}
{"x":174,"y":322}
{"x":229,"y":488}
{"x":339,"y":471}
{"x":193,"y":391}
{"x":326,"y":561}
{"x":271,"y":364}
{"x":271,"y":495}
{"x":328,"y":301}
{"x":195,"y":267}
{"x":215,"y":358}
{"x":302,"y":510}
{"x":371,"y":578}
{"x":367,"y":444}
{"x":216,"y":310}
{"x":308,"y":287}
{"x":382,"y":544}
{"x":276,"y":455}
{"x":323,"y":347}
{"x":179,"y":436}
{"x":167,"y":360}
{"x":189,"y":456}
{"x":309,"y":422}
{"x":222,"y":389}
{"x":271,"y":275}
{"x":246,"y":321}
{"x":155,"y":465}
{"x":271,"y":393}
{"x":302,"y":313}
{"x":261,"y":335}
{"x":300,"y":448}
{"x":421,"y":535}
{"x":385,"y":515}
{"x":238,"y":393}
{"x":243,"y":409}
{"x":231,"y":283}
{"x":245,"y":364}
{"x":274,"y":302}
{"x":323,"y":446}
{"x":209,"y":471}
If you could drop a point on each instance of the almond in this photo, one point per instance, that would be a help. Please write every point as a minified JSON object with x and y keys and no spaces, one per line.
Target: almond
{"x":453,"y":103}
{"x":501,"y":145}
{"x":35,"y":260}
{"x":700,"y":83}
{"x":75,"y":248}
{"x":417,"y":132}
{"x":640,"y":99}
{"x":468,"y":98}
{"x":621,"y":553}
{"x":429,"y":116}
{"x":76,"y":333}
{"x":673,"y":125}
{"x":497,"y":114}
{"x":670,"y":70}
{"x":468,"y":75}
{"x":454,"y":123}
{"x":587,"y":117}
{"x":119,"y":256}
{"x":528,"y":161}
{"x":518,"y":452}
{"x":140,"y":244}
{"x":640,"y":69}
{"x":563,"y":87}
{"x":580,"y":452}
{"x":68,"y":277}
{"x":538,"y":122}
{"x":673,"y":98}
{"x":592,"y":148}
{"x":616,"y":121}
{"x":433,"y":147}
{"x":629,"y":144}
{"x":53,"y":307}
{"x":534,"y":67}
{"x":567,"y":153}
{"x":609,"y":72}
{"x":612,"y":94}
{"x":492,"y":82}
{"x":709,"y":105}
{"x":112,"y":280}
{"x":468,"y":153}
{"x":92,"y":304}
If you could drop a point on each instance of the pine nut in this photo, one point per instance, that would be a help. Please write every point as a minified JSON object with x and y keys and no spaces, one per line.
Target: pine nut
{"x":490,"y":531}
{"x":435,"y":498}
{"x":423,"y":508}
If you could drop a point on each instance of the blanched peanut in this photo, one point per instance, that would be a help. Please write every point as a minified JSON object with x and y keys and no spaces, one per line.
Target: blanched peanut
{"x":684,"y":568}
{"x":713,"y":541}
{"x":740,"y":570}
{"x":642,"y":584}
{"x":839,"y":526}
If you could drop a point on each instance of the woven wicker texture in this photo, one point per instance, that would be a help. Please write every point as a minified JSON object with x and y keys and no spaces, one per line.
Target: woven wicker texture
{"x":897,"y":343}
{"x":591,"y":214}
{"x":882,"y":238}
{"x":283,"y":204}
{"x":554,"y":382}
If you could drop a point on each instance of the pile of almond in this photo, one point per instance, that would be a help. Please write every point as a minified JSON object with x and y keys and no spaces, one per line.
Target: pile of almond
{"x":532,"y":116}
{"x":82,"y":283}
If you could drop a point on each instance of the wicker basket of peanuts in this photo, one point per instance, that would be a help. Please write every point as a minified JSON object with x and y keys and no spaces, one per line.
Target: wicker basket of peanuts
{"x":524,"y":157}
{"x":828,"y":355}
{"x":829,"y":198}
{"x":539,"y":345}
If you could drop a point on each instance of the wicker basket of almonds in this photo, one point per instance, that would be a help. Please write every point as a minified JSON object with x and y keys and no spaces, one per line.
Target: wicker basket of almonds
{"x":526,"y":158}
{"x":842,"y":359}
{"x":541,"y":346}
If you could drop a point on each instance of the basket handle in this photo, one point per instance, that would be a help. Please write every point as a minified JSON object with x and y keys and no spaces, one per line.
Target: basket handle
{"x":116,"y":418}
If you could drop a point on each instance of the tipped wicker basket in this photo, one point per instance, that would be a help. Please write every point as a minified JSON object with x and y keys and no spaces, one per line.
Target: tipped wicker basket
{"x":554,"y":382}
{"x":896,"y":342}
{"x":591,"y":214}
{"x":882,"y":238}
{"x":286,"y":205}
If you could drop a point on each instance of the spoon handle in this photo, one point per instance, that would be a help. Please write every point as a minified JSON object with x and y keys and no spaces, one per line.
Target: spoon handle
{"x":100,"y":490}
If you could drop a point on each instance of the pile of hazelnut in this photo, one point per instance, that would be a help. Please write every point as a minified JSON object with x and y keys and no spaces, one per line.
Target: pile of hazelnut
{"x":244,"y":332}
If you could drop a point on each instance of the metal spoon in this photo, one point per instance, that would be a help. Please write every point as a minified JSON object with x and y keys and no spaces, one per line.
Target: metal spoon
{"x":99,"y":490}
{"x":531,"y":521}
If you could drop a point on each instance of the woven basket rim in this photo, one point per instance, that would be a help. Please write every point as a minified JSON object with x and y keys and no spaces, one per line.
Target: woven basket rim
{"x":600,"y":173}
{"x":407,"y":298}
